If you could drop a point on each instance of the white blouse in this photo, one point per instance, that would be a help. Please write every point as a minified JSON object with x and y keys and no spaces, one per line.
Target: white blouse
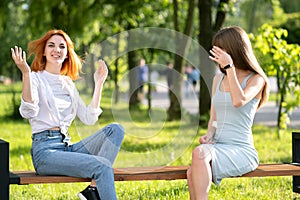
{"x":56,"y":103}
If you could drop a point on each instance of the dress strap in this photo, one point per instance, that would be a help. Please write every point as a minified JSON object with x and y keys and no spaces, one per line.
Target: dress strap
{"x":220,"y":80}
{"x":243,"y":85}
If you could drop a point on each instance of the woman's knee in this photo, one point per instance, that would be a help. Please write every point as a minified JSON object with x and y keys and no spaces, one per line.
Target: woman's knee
{"x":200,"y":154}
{"x":188,"y":174}
{"x":117,"y":128}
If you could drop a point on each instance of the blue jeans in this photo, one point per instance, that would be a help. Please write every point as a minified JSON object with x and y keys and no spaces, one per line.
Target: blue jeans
{"x":92,"y":157}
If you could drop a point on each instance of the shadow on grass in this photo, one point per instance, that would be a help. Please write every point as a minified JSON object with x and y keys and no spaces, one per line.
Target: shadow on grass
{"x":126,"y":115}
{"x":142,"y":147}
{"x":20,"y":150}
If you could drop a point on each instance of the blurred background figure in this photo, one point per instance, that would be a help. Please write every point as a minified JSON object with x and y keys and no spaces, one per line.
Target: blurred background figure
{"x":192,"y":77}
{"x":187,"y":80}
{"x":195,"y":75}
{"x":142,"y":77}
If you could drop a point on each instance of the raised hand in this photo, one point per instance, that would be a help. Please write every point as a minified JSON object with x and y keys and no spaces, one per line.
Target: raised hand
{"x":220,"y":56}
{"x":101,"y":73}
{"x":19,"y":57}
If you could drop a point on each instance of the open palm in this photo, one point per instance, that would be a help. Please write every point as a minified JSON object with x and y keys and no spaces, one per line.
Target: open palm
{"x":19,"y":57}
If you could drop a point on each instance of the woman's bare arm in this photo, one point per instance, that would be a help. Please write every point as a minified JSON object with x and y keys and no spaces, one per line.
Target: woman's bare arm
{"x":19,"y":57}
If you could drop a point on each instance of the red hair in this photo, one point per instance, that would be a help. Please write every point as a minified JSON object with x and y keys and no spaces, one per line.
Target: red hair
{"x":70,"y":67}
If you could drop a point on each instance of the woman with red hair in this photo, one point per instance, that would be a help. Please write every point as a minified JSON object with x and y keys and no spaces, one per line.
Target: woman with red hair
{"x":50,"y":101}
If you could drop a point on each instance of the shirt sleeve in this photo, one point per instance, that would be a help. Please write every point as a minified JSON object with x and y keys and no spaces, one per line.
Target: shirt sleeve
{"x":86,"y":114}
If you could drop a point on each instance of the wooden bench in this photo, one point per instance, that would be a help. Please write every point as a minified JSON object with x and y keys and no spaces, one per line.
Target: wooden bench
{"x":149,"y":173}
{"x":143,"y":173}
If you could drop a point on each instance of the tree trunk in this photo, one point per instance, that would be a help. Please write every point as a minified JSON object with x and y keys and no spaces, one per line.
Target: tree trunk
{"x":279,"y":116}
{"x":174,"y":111}
{"x":115,"y":77}
{"x":282,"y":95}
{"x":205,"y":38}
{"x":133,"y":81}
{"x":252,"y":17}
{"x":132,"y":69}
{"x":206,"y":32}
{"x":221,"y":14}
{"x":149,"y":93}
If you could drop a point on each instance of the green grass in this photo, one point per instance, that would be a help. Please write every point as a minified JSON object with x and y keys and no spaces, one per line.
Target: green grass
{"x":149,"y":141}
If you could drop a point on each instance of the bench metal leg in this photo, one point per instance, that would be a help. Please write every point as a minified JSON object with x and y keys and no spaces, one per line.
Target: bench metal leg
{"x":296,"y":159}
{"x":4,"y":170}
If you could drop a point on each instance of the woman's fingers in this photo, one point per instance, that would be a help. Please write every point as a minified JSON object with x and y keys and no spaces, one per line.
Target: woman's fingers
{"x":21,"y":54}
{"x":13,"y":54}
{"x":24,"y":55}
{"x":216,"y":53}
{"x":101,"y":72}
{"x":220,"y":56}
{"x":19,"y":57}
{"x":102,"y":68}
{"x":18,"y":54}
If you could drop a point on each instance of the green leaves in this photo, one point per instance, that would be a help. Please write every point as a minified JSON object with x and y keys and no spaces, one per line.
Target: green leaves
{"x":280,"y":59}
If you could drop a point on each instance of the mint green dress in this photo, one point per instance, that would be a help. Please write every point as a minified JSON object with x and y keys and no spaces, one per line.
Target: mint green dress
{"x":233,"y":153}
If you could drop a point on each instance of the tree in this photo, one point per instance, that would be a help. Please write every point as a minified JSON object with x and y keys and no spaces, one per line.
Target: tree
{"x":281,"y":60}
{"x":147,"y":14}
{"x":11,"y":34}
{"x":207,"y":28}
{"x":174,"y":110}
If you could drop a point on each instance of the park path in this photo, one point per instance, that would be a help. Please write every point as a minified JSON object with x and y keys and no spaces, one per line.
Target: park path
{"x":267,"y":115}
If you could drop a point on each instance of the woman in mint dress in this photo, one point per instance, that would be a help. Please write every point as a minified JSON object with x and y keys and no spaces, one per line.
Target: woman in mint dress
{"x":237,"y":93}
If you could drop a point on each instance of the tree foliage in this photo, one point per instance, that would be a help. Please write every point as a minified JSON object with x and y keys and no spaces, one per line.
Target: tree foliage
{"x":89,"y":22}
{"x":281,"y":60}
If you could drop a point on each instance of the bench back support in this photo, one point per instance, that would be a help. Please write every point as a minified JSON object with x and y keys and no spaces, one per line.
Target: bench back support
{"x":296,"y":159}
{"x":4,"y":170}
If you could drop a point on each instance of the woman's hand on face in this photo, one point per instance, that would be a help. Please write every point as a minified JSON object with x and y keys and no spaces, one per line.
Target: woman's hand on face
{"x":220,"y":56}
{"x":19,"y":57}
{"x":101,"y":73}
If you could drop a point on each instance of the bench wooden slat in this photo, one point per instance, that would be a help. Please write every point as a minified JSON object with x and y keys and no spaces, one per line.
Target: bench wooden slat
{"x":274,"y":170}
{"x":30,"y":177}
{"x":154,"y":173}
{"x":151,"y":173}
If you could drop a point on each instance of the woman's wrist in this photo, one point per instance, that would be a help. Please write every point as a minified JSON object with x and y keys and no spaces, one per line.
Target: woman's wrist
{"x":25,"y":75}
{"x":211,"y":132}
{"x":228,"y":66}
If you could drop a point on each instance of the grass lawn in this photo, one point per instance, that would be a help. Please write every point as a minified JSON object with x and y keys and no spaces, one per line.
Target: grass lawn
{"x":149,"y":141}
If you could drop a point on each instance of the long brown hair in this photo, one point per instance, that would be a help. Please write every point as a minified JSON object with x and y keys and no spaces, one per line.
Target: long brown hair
{"x":235,"y":41}
{"x":70,"y":67}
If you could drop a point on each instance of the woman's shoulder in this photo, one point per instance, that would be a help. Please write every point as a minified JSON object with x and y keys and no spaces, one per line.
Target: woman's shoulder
{"x":218,"y":76}
{"x":216,"y":79}
{"x":67,"y":78}
{"x":255,"y":77}
{"x":35,"y":75}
